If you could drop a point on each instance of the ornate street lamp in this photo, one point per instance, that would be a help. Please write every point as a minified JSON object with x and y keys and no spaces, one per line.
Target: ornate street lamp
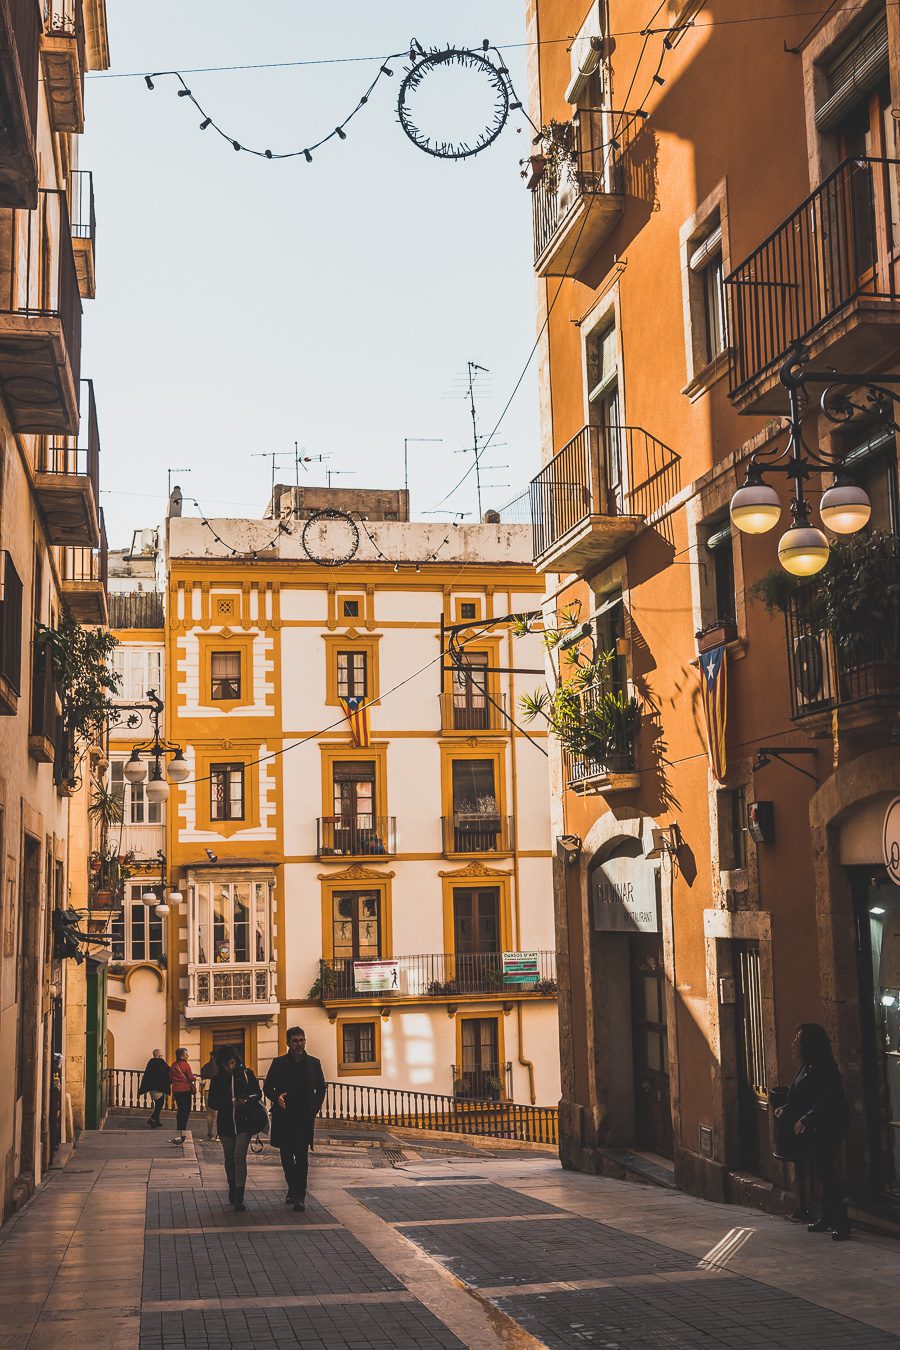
{"x":154,"y":750}
{"x":844,"y":507}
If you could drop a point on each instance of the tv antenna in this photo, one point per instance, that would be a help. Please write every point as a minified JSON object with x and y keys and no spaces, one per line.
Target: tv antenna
{"x":339,"y":473}
{"x":170,"y":472}
{"x":472,"y":367}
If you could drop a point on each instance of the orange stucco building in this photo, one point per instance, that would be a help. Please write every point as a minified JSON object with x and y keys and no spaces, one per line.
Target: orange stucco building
{"x":696,"y":211}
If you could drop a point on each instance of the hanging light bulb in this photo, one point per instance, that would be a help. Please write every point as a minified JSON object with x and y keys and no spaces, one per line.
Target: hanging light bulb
{"x":175,"y":898}
{"x":157,"y":788}
{"x":803,"y":550}
{"x":755,"y":507}
{"x":179,"y":769}
{"x":162,"y":909}
{"x":845,"y":506}
{"x":150,"y":898}
{"x":134,"y":768}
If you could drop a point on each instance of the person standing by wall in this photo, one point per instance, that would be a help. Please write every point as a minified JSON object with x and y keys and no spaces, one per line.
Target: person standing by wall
{"x":182,"y":1078}
{"x":295,"y":1085}
{"x":821,"y":1117}
{"x":155,"y":1083}
{"x":207,"y":1074}
{"x":236,"y":1097}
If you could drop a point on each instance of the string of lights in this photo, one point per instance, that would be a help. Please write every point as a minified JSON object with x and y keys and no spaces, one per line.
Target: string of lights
{"x":283,"y":528}
{"x":382,"y":557}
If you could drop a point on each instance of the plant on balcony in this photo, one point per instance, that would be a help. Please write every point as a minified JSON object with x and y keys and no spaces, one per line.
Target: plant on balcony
{"x":548,"y":986}
{"x":325,"y":983}
{"x":441,"y":989}
{"x":104,"y":810}
{"x":84,"y":679}
{"x":558,"y":153}
{"x":493,"y":1087}
{"x":479,"y":808}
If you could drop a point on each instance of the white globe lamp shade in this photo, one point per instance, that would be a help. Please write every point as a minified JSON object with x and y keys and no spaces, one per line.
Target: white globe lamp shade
{"x":162,"y":909}
{"x":150,"y":898}
{"x":178,"y":769}
{"x":845,"y":507}
{"x":134,"y":769}
{"x":175,"y":898}
{"x":157,"y":788}
{"x":755,"y":508}
{"x":803,"y":550}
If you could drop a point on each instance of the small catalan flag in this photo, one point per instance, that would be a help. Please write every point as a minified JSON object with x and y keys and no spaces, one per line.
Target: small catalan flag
{"x":357,"y":713}
{"x":714,"y":692}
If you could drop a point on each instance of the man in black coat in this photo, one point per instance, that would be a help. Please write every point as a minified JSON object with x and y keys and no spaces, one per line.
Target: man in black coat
{"x":155,"y":1083}
{"x":295,"y":1085}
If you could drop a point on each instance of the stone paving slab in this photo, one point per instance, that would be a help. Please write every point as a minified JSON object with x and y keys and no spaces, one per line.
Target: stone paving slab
{"x":407,"y":1204}
{"x":201,"y":1208}
{"x":406,"y":1326}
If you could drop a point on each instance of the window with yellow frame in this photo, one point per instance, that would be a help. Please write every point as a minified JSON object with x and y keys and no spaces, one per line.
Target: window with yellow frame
{"x":226,"y":671}
{"x":228,"y":801}
{"x":473,"y":793}
{"x":472,"y":700}
{"x":351,"y":669}
{"x":479,"y":1073}
{"x":358,"y":1046}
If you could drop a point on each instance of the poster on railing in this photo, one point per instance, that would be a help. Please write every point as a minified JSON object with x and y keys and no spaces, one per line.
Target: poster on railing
{"x":521,"y":967}
{"x":376,"y":977}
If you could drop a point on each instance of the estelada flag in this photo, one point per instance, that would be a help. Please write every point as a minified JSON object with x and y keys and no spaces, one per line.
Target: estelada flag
{"x":714,"y":692}
{"x":357,"y":713}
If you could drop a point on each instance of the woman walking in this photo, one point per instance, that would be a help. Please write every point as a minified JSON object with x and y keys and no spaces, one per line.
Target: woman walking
{"x":235,"y":1095}
{"x":182,"y":1077}
{"x":821,"y":1117}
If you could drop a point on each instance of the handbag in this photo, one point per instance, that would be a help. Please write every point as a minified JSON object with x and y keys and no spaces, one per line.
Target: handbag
{"x":258,"y":1119}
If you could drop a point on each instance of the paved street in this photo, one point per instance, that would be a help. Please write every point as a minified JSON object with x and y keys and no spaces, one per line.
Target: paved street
{"x":132,"y":1246}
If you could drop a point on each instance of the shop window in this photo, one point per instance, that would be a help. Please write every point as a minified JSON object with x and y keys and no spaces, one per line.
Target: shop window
{"x":225,"y":675}
{"x":226,"y":791}
{"x":234,"y":923}
{"x":358,"y":1043}
{"x":137,"y":932}
{"x":356,"y":925}
{"x":352,"y":674}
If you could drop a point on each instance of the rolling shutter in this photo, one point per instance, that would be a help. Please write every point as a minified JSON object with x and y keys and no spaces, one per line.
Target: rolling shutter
{"x":858,"y":69}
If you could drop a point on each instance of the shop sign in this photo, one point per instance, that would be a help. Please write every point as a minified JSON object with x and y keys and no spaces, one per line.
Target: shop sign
{"x":624,"y":896}
{"x":892,"y":841}
{"x":521,"y":968}
{"x":376,"y":977}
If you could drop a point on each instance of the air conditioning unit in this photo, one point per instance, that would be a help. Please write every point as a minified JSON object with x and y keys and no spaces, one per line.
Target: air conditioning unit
{"x":811,"y":670}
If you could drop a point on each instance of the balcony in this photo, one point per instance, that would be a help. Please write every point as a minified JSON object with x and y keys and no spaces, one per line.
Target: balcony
{"x":63,"y":61}
{"x":595,"y":495}
{"x":40,"y":317}
{"x":20,"y":40}
{"x":144,"y":842}
{"x":614,"y":772}
{"x":356,"y":837}
{"x":493,"y":1084}
{"x":572,"y":217}
{"x":43,"y":728}
{"x":828,"y":277}
{"x":476,"y":832}
{"x":84,"y":230}
{"x":435,"y":975}
{"x":468,"y":711}
{"x":231,"y":991}
{"x":859,"y":681}
{"x":105,"y":889}
{"x":83,"y":580}
{"x":67,"y":480}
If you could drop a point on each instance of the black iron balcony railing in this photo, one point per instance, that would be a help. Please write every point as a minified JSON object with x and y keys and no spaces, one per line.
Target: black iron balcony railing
{"x":87,"y":564}
{"x":471,"y":710}
{"x":356,"y":836}
{"x":64,"y":63}
{"x":137,"y":609}
{"x":477,"y":832}
{"x":836,"y":247}
{"x":596,"y":171}
{"x":603,"y":471}
{"x":78,"y":455}
{"x":825,"y":674}
{"x":616,"y":759}
{"x":436,"y":975}
{"x":491,"y":1084}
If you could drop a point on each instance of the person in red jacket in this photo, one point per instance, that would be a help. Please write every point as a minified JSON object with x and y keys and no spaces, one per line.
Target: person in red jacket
{"x":181,"y":1076}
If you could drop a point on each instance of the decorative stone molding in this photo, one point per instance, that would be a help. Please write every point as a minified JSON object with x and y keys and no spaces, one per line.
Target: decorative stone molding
{"x":355,"y":872}
{"x":475,"y":869}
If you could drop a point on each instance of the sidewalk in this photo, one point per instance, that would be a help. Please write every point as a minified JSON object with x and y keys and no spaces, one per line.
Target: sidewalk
{"x":132,"y":1246}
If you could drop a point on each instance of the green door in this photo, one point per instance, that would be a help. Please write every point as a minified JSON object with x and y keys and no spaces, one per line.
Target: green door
{"x":95,"y":1047}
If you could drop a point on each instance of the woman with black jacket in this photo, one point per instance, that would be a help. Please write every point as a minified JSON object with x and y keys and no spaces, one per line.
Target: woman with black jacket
{"x":235,"y":1095}
{"x":821,"y":1117}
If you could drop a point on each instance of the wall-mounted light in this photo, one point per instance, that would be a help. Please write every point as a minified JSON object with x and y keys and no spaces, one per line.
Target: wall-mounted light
{"x":667,"y":840}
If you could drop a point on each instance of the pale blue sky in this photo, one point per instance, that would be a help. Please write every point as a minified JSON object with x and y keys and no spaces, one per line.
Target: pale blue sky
{"x":243,"y":304}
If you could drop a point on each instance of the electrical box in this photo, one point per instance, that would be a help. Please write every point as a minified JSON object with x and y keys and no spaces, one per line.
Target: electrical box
{"x":761,"y":822}
{"x":726,"y":989}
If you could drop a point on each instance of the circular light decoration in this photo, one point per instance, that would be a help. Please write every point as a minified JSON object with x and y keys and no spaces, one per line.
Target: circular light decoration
{"x":433,"y":85}
{"x":330,"y":538}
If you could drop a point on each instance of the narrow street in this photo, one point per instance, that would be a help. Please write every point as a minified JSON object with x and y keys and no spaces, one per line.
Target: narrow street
{"x":413,"y":1244}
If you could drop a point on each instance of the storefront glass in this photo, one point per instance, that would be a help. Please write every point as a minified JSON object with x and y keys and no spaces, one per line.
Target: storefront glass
{"x":884,"y":929}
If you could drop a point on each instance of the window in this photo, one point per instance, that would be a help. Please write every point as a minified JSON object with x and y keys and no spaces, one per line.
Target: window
{"x":731,"y":804}
{"x":706,"y":265}
{"x":11,"y":625}
{"x":233,"y":922}
{"x":352,"y":674}
{"x":137,"y":933}
{"x":350,"y":609}
{"x":225,"y":672}
{"x":873,"y":464}
{"x":356,"y":925}
{"x":470,"y":683}
{"x":358,"y":1043}
{"x":720,"y":545}
{"x":140,"y":670}
{"x":610,"y":629}
{"x":480,"y":1068}
{"x":226,"y":791}
{"x":605,"y":410}
{"x":468,"y":610}
{"x":137,"y":809}
{"x":476,"y":921}
{"x":477,"y":826}
{"x":354,"y":792}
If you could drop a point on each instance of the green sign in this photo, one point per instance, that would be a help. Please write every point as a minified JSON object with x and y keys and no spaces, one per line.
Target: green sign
{"x":521,"y":968}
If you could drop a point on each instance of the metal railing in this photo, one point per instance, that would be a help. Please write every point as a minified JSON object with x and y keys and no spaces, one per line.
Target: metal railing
{"x":358,"y":1103}
{"x":226,"y":983}
{"x":40,"y":280}
{"x":355,"y":836}
{"x":824,"y":674}
{"x":595,"y":169}
{"x":79,"y":455}
{"x":436,"y":975}
{"x":470,"y":710}
{"x":603,"y":471}
{"x":65,"y":19}
{"x":136,"y":609}
{"x":473,"y":832}
{"x":26,"y":24}
{"x":826,"y":254}
{"x":81,"y":205}
{"x":87,"y":564}
{"x":480,"y":1084}
{"x":583,"y":768}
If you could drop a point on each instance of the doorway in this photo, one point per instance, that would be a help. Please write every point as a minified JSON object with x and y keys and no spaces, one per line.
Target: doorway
{"x":877,"y":908}
{"x":652,"y":1104}
{"x":752,"y":1080}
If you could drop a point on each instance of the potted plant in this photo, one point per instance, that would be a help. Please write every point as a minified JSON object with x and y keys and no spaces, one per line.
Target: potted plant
{"x":716,"y":634}
{"x":105,"y":810}
{"x":460,"y":1089}
{"x":494,"y":1088}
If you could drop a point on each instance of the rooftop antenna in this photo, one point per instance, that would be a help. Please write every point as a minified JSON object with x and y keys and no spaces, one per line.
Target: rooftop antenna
{"x":170,"y":472}
{"x":472,"y":367}
{"x":273,"y":455}
{"x":339,"y":473}
{"x":407,"y":442}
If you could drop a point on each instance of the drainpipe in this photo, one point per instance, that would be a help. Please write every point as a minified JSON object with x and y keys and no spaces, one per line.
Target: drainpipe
{"x":526,"y":1063}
